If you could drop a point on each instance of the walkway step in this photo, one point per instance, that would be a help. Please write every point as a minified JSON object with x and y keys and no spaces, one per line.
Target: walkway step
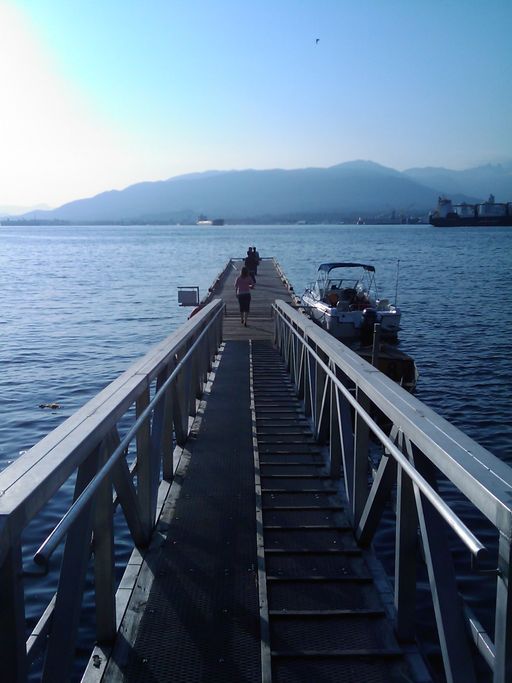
{"x":309,"y":595}
{"x":283,"y":430}
{"x":327,"y":613}
{"x":322,"y":579}
{"x":292,"y":448}
{"x":320,"y":551}
{"x":320,"y":496}
{"x":312,"y":489}
{"x":302,"y":458}
{"x":332,"y":508}
{"x":291,"y":463}
{"x":273,"y":470}
{"x":298,"y":518}
{"x":347,"y":669}
{"x":325,"y":617}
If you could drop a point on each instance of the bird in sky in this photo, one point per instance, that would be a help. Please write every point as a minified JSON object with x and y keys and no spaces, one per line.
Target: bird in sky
{"x":317,"y":41}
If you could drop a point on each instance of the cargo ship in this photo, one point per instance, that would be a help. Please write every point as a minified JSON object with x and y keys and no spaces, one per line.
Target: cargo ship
{"x":490,"y":213}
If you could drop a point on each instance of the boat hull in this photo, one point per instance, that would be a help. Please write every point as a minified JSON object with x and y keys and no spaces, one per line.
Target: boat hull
{"x":395,"y":364}
{"x":458,"y":221}
{"x":348,"y":325}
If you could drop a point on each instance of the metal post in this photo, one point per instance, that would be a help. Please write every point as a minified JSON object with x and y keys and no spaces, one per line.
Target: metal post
{"x":104,"y":573}
{"x":503,"y":624}
{"x":301,"y":372}
{"x":359,"y":483}
{"x":347,"y":439}
{"x":376,"y":345}
{"x":167,"y":445}
{"x":156,"y":439}
{"x":308,"y":384}
{"x":376,"y":500}
{"x":321,"y":405}
{"x":405,"y":557}
{"x":130,"y":503}
{"x":335,"y":433}
{"x":62,"y":640}
{"x":193,"y":379}
{"x":144,"y":465}
{"x":12,"y":617}
{"x":180,"y":402}
{"x":454,"y":641}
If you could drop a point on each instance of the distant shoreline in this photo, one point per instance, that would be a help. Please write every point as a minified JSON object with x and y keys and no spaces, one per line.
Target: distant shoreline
{"x":413,"y":220}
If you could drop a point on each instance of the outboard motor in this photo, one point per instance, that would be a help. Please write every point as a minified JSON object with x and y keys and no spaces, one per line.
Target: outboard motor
{"x":370,"y":317}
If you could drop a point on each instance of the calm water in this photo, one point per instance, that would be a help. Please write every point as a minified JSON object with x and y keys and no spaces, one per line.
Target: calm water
{"x":79,"y":304}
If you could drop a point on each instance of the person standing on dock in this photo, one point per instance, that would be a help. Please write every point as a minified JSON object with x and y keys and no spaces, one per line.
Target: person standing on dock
{"x":243,"y":285}
{"x":251,"y":263}
{"x":256,"y":255}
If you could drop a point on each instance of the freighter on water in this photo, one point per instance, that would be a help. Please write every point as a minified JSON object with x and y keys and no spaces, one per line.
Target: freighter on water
{"x":489,"y":213}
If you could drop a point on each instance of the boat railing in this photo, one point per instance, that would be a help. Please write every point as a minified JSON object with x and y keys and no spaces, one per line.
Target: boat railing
{"x":118,"y":451}
{"x":353,"y":409}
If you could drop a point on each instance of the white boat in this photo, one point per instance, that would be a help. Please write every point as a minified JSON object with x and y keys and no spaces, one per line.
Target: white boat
{"x":344,"y":301}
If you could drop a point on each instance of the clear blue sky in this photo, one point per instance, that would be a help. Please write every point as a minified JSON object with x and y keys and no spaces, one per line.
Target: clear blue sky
{"x":99,"y":95}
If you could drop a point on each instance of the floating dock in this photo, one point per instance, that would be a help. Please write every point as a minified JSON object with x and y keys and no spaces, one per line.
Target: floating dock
{"x":257,"y":575}
{"x":252,"y":507}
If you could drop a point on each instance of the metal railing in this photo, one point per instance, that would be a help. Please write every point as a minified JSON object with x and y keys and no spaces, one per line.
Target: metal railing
{"x":154,"y":401}
{"x":348,"y":402}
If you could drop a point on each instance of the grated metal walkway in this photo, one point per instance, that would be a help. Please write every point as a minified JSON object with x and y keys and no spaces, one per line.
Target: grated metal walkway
{"x":247,"y":587}
{"x":326,"y":619}
{"x":200,"y":619}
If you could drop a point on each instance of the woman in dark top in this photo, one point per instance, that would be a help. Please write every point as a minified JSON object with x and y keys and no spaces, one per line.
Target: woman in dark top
{"x":251,"y":264}
{"x":243,"y":285}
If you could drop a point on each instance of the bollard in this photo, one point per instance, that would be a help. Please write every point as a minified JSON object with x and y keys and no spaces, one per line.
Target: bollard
{"x":376,"y":344}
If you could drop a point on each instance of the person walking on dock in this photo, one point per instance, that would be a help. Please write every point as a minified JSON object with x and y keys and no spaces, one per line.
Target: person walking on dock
{"x":243,"y":285}
{"x":251,"y":263}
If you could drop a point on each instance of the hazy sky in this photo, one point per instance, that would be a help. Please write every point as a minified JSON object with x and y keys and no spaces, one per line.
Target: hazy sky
{"x":99,"y":95}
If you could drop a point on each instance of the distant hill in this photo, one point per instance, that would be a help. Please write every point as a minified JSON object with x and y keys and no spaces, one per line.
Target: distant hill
{"x":11,"y":210}
{"x":479,"y":182}
{"x":348,"y":189}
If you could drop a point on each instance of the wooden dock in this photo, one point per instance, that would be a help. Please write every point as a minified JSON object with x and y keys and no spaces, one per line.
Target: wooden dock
{"x":256,"y":575}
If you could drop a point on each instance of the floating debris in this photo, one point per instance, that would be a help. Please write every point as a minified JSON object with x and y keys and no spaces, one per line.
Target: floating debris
{"x":52,"y":406}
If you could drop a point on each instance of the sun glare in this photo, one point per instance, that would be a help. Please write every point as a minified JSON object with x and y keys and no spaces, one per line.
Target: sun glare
{"x":50,"y":138}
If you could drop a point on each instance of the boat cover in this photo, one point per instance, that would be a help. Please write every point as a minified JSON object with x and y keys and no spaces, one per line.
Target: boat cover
{"x":326,"y":267}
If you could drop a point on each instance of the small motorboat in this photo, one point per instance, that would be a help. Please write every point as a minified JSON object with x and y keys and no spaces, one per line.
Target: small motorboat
{"x":344,"y":301}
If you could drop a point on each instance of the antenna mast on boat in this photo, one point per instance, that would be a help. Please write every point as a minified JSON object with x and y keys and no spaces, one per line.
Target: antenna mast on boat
{"x":396,"y":287}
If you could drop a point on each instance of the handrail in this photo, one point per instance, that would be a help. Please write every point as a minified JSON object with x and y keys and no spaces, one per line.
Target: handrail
{"x":68,"y":438}
{"x":462,"y":531}
{"x":47,"y":548}
{"x":483,"y":470}
{"x":85,"y":452}
{"x":340,"y":390}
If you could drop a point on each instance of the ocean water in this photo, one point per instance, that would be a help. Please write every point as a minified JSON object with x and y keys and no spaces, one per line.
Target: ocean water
{"x":79,"y":304}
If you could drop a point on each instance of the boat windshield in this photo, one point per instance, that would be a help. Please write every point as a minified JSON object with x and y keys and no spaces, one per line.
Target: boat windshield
{"x":353,"y":278}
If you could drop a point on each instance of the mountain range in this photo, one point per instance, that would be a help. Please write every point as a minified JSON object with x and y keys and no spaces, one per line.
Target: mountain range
{"x":342,"y":191}
{"x":12,"y":210}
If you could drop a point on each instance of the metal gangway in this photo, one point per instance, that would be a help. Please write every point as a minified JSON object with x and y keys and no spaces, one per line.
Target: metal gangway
{"x":238,"y":465}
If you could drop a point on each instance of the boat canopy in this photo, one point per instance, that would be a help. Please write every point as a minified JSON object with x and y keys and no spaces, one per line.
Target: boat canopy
{"x":326,"y":267}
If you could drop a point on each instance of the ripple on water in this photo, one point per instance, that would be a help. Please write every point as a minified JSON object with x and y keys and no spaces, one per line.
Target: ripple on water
{"x":81,"y":304}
